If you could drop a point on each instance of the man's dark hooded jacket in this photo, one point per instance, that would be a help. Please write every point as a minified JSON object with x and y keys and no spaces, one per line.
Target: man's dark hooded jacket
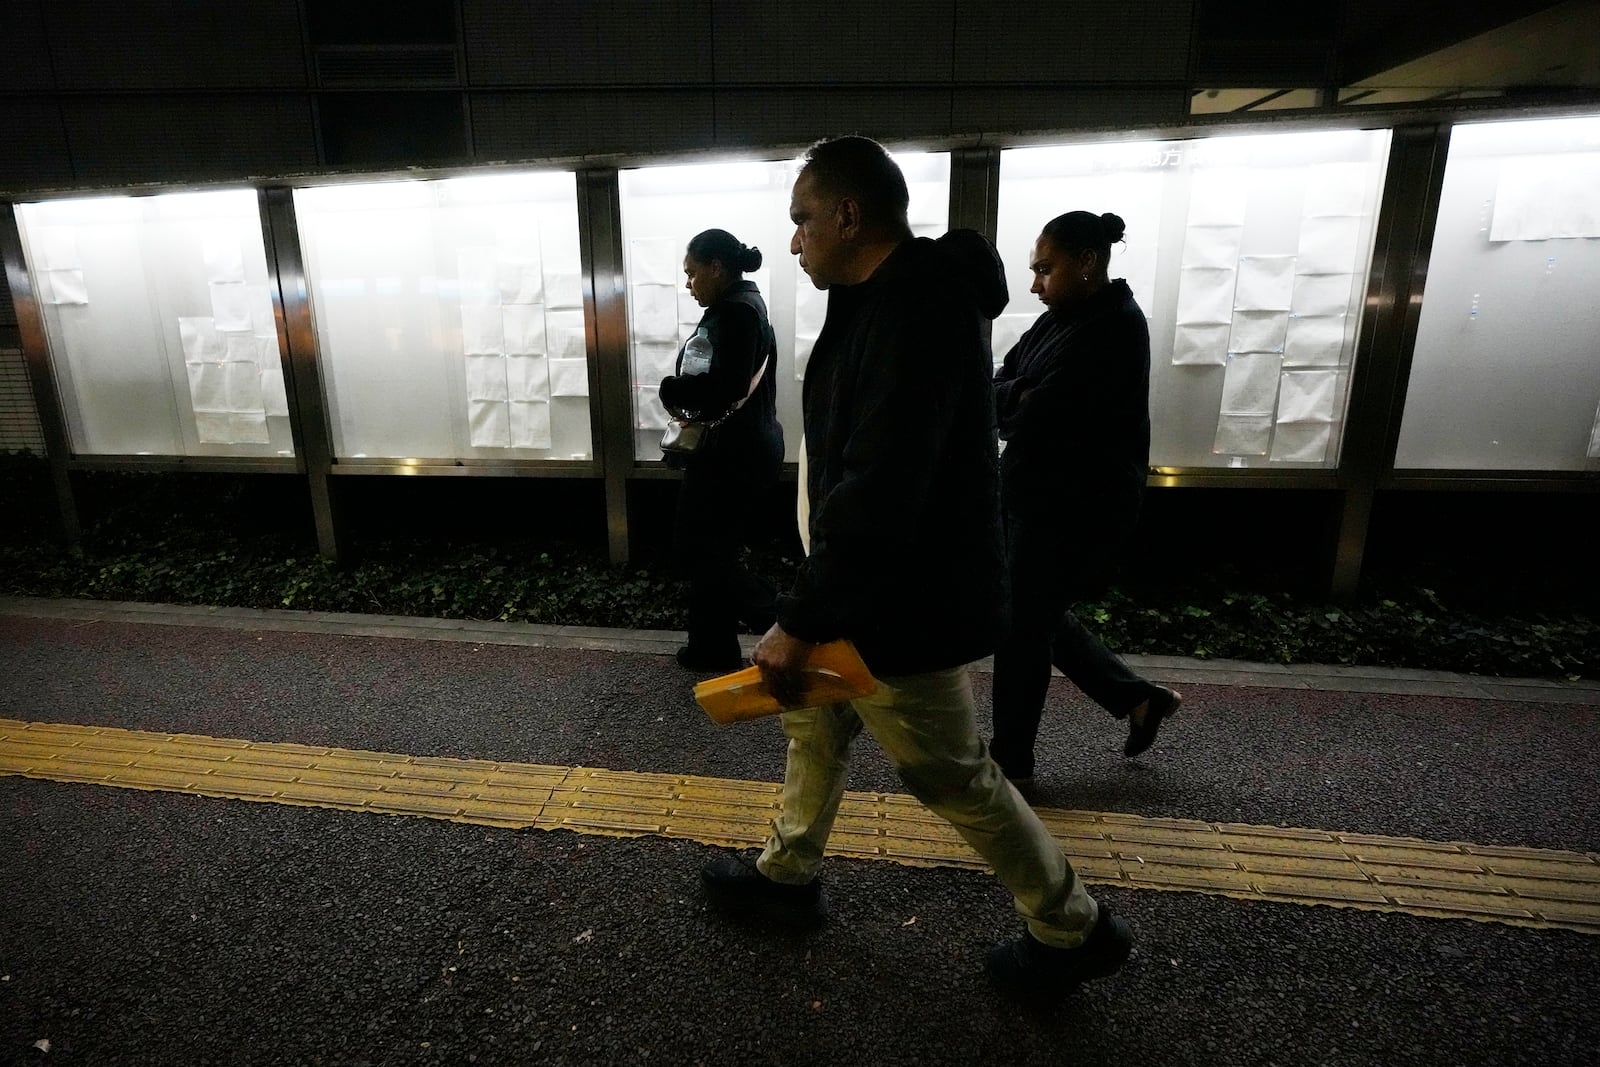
{"x":906,"y":555}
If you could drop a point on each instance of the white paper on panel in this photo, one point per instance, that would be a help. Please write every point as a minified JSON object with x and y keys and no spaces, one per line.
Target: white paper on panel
{"x":248,"y":427}
{"x":274,"y":398}
{"x":1266,"y":283}
{"x":1205,"y":294}
{"x":569,"y":377}
{"x":200,"y":340}
{"x":65,"y":287}
{"x":1321,"y":294}
{"x":563,"y":289}
{"x":1307,"y":395}
{"x":527,"y":378}
{"x":482,"y":331}
{"x":558,"y":246}
{"x":230,"y":307}
{"x":564,"y":337}
{"x":655,"y":313}
{"x":648,"y":414}
{"x":1335,"y":189}
{"x":1242,"y":435}
{"x":208,"y":386}
{"x":214,"y":427}
{"x":486,"y":377}
{"x":1314,"y":341}
{"x":689,"y":310}
{"x":1542,"y":197}
{"x":530,"y":424}
{"x":520,"y":281}
{"x":241,"y":348}
{"x":1258,"y":331}
{"x":653,"y":361}
{"x":224,"y":257}
{"x":267,"y":352}
{"x":803,"y":344}
{"x":1212,"y":246}
{"x":1594,"y":438}
{"x":655,"y":261}
{"x":56,"y":247}
{"x":810,"y":306}
{"x":524,"y":329}
{"x":477,"y":273}
{"x":1218,"y":197}
{"x":489,"y":423}
{"x":519,"y":241}
{"x":1201,"y":343}
{"x":1301,"y":442}
{"x":262,"y":321}
{"x":1329,"y":245}
{"x":243,"y":386}
{"x":1250,"y":385}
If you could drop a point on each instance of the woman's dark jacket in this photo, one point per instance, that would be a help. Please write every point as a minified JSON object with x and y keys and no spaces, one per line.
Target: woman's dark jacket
{"x":1073,"y":402}
{"x":906,"y":557}
{"x":741,"y":338}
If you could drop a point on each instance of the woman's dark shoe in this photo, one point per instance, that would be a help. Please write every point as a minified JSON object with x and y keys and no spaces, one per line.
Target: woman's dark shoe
{"x":1145,"y":721}
{"x":1028,"y":969}
{"x":693,"y":659}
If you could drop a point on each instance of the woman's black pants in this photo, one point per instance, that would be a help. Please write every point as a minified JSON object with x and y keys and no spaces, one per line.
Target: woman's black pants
{"x":716,"y":503}
{"x":1050,"y":569}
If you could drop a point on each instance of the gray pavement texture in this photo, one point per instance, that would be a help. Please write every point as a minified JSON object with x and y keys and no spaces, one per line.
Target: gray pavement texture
{"x":148,"y":928}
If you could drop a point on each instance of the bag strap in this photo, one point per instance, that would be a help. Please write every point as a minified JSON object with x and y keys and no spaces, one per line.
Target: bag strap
{"x":754,"y":382}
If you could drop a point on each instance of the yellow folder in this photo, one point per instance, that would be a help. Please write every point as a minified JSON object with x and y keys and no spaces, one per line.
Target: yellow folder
{"x":833,"y":673}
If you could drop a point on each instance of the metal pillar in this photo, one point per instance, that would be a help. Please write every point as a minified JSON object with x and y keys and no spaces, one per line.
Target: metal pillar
{"x":46,"y":397}
{"x":975,"y":190}
{"x":605,"y":307}
{"x":1406,"y":220}
{"x":297,"y":335}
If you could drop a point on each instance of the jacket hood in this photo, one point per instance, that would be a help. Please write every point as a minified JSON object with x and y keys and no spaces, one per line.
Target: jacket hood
{"x":977,"y":263}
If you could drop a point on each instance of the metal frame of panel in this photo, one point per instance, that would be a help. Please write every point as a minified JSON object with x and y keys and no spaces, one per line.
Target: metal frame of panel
{"x":1379,"y":379}
{"x":1406,"y":217}
{"x":42,"y":379}
{"x":604,"y":300}
{"x":297,"y":336}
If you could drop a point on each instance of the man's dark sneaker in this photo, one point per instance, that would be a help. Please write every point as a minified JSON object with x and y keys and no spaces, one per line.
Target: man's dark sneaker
{"x":1028,"y":969}
{"x":734,"y":885}
{"x":694,"y":659}
{"x":1163,"y":704}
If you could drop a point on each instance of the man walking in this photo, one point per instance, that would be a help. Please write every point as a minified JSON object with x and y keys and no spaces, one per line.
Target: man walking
{"x":906,"y":561}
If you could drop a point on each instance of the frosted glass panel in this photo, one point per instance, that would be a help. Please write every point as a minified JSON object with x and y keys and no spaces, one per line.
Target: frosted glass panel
{"x":1506,"y":371}
{"x":438,"y":305}
{"x":663,"y":207}
{"x":160,"y":322}
{"x":1249,"y":256}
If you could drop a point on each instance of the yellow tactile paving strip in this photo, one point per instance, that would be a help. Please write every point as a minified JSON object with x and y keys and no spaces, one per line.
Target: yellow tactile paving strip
{"x":1521,"y":886}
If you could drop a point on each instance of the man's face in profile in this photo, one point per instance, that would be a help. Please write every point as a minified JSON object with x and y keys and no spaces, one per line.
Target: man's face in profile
{"x":817,"y":239}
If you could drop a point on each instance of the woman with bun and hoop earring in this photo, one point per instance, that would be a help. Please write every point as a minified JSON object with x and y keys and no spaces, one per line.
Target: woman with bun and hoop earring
{"x":1072,"y":399}
{"x":724,"y":375}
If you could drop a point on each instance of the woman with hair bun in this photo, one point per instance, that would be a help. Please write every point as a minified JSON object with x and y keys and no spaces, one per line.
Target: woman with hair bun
{"x":724,"y":375}
{"x":1072,"y":399}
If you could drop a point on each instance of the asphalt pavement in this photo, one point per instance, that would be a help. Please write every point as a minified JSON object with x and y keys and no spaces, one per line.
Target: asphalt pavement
{"x":159,"y":927}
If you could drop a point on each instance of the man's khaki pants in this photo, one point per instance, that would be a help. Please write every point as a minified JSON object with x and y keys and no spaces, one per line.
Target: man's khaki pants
{"x":926,"y":724}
